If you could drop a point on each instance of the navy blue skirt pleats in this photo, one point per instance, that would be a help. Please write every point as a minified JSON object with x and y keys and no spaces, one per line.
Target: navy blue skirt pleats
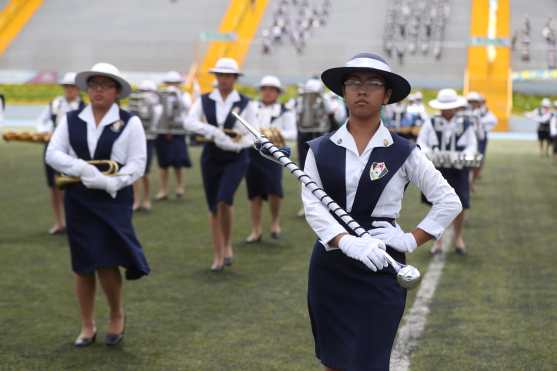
{"x":150,"y":150}
{"x":222,"y":173}
{"x":459,"y":180}
{"x":100,"y":232}
{"x":172,"y":151}
{"x":354,"y":312}
{"x":263,"y":177}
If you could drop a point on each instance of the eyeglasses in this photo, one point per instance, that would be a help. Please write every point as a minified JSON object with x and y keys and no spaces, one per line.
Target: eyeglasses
{"x":367,"y":85}
{"x":102,"y":85}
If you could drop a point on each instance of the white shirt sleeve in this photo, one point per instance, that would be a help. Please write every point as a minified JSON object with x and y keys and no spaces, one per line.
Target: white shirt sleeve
{"x":193,"y":121}
{"x":489,"y":121}
{"x":288,"y":125}
{"x":136,"y":154}
{"x":470,"y":140}
{"x":44,"y":122}
{"x":318,"y":216}
{"x":59,"y":154}
{"x":446,"y":204}
{"x":553,"y":126}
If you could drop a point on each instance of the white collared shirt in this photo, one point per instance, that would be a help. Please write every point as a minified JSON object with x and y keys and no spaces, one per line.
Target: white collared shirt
{"x":196,"y":118}
{"x":286,"y":122}
{"x":417,"y":169}
{"x":59,"y":106}
{"x":130,"y":148}
{"x":427,"y":139}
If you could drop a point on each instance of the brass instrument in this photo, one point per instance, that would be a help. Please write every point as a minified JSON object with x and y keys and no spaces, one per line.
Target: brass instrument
{"x":457,"y":160}
{"x":274,"y":135}
{"x":235,"y":135}
{"x":110,"y":168}
{"x":26,"y":136}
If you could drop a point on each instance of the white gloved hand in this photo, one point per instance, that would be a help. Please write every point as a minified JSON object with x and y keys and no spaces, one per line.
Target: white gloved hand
{"x":77,"y":167}
{"x":210,"y":131}
{"x":368,"y":250}
{"x":102,"y":182}
{"x":226,"y":143}
{"x":88,"y":171}
{"x":394,"y":237}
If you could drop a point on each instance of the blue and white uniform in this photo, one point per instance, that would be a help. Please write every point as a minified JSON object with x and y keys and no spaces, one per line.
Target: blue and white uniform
{"x":222,"y":166}
{"x":99,"y":225}
{"x":456,"y":135}
{"x":263,"y":176}
{"x":49,"y":119}
{"x":486,"y":121}
{"x":355,"y":312}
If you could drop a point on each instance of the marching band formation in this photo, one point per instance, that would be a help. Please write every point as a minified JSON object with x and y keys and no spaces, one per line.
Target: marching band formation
{"x":361,"y":142}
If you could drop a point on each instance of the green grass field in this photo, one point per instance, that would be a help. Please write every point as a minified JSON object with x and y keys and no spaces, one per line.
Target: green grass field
{"x":494,"y":309}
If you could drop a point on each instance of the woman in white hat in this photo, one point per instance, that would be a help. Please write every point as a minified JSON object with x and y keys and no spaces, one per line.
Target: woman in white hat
{"x":46,"y":123}
{"x":454,"y":132}
{"x":172,"y":150}
{"x":542,"y":115}
{"x":263,"y":177}
{"x":99,"y":207}
{"x":224,"y":160}
{"x":355,"y":303}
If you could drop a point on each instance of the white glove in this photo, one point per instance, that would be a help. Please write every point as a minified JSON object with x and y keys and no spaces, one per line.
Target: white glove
{"x":369,"y":251}
{"x":394,"y":236}
{"x":226,"y":143}
{"x":88,"y":171}
{"x":78,"y":166}
{"x":102,"y":182}
{"x":209,"y":131}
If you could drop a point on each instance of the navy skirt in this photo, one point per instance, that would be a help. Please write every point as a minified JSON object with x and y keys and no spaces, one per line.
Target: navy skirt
{"x":222,"y":172}
{"x":150,"y":150}
{"x":172,"y":151}
{"x":482,"y":145}
{"x":263,"y":177}
{"x":49,"y":171}
{"x":354,"y":312}
{"x":459,"y":180}
{"x":100,"y":232}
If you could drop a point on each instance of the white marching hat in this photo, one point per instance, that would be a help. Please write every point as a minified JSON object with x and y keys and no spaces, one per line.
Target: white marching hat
{"x":313,"y":86}
{"x":226,"y":65}
{"x":334,"y":78}
{"x":546,"y":102}
{"x":107,"y":70}
{"x":418,"y":95}
{"x":68,"y":79}
{"x":447,"y":99}
{"x":147,"y":85}
{"x":173,"y":77}
{"x":474,"y":96}
{"x":271,"y":81}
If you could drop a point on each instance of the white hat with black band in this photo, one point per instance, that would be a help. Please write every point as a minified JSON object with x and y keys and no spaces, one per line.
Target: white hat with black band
{"x":106,"y":70}
{"x":68,"y":79}
{"x":270,"y":81}
{"x":226,"y":66}
{"x":333,"y":78}
{"x":447,"y":99}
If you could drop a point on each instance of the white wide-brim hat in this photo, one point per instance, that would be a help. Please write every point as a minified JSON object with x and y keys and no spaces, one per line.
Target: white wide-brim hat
{"x":474,"y":96}
{"x":106,"y":70}
{"x":68,"y":79}
{"x":447,"y":99}
{"x":313,"y":86}
{"x":147,"y":85}
{"x":270,"y":81}
{"x":226,"y":65}
{"x":546,"y":102}
{"x":173,"y":77}
{"x":334,"y":78}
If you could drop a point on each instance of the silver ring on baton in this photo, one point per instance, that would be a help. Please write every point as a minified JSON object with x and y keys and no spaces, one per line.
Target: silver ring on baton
{"x":407,"y":276}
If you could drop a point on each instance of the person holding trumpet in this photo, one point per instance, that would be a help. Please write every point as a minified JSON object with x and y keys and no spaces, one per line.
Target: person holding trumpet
{"x":99,"y":207}
{"x":263,"y":177}
{"x":46,"y":123}
{"x":224,"y":160}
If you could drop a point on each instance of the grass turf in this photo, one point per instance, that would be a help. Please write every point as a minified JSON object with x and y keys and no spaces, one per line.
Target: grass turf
{"x":494,"y":309}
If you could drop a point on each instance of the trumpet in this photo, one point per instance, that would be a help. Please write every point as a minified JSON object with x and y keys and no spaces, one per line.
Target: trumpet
{"x":109,"y":167}
{"x":25,"y":136}
{"x":274,"y":135}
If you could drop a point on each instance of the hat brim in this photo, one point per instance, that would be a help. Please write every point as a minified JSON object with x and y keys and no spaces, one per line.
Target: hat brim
{"x":271,"y":86}
{"x":460,"y":102}
{"x":333,"y":78}
{"x":223,"y":71}
{"x":82,"y":77}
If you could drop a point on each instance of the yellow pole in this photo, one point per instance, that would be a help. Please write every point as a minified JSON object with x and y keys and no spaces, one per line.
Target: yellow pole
{"x":488,"y":71}
{"x":13,"y":18}
{"x":242,"y":18}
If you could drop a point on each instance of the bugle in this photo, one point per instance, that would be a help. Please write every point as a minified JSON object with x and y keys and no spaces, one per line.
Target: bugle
{"x":26,"y":136}
{"x":107,"y":167}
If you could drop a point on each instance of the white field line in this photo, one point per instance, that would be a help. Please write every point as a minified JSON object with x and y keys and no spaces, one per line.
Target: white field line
{"x":415,"y":320}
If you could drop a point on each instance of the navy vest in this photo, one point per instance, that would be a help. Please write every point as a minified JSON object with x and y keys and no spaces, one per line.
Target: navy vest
{"x":463,"y":123}
{"x":210,"y":111}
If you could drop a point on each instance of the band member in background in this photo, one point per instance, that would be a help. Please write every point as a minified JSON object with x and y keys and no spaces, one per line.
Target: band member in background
{"x":264,"y":177}
{"x":47,"y":123}
{"x":147,"y":106}
{"x":99,"y":207}
{"x":553,"y":131}
{"x":224,"y":161}
{"x":485,"y":122}
{"x":355,"y":303}
{"x":2,"y":107}
{"x":172,"y":150}
{"x":454,"y":132}
{"x":315,"y":116}
{"x":542,"y":115}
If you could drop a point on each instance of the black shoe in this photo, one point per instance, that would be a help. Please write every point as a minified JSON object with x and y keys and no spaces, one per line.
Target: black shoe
{"x":460,"y":250}
{"x":85,"y":342}
{"x":115,"y":339}
{"x":228,"y":260}
{"x":275,"y":235}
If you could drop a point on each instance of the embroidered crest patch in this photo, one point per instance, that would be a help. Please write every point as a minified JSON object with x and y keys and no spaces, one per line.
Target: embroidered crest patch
{"x":117,"y":126}
{"x":378,"y":170}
